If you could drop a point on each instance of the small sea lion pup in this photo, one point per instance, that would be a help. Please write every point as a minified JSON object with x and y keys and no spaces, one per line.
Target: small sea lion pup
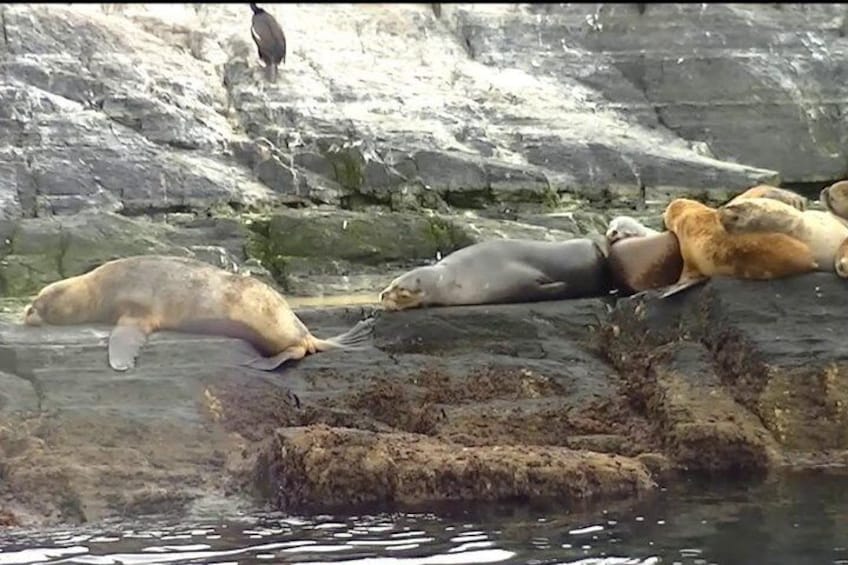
{"x":708,"y":250}
{"x":502,"y":271}
{"x":823,"y":232}
{"x":767,"y":191}
{"x":270,"y":40}
{"x":622,"y":227}
{"x":146,"y":293}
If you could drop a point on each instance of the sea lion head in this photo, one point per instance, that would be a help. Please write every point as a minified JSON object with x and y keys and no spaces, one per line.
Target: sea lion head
{"x":735,"y":215}
{"x":622,"y":227}
{"x":410,"y":290}
{"x":676,"y":211}
{"x":835,"y":198}
{"x":55,"y":304}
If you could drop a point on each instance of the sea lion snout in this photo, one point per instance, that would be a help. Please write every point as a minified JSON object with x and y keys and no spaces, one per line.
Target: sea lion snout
{"x":842,"y":267}
{"x":32,"y":317}
{"x":388,"y":298}
{"x":823,"y":198}
{"x":728,"y":217}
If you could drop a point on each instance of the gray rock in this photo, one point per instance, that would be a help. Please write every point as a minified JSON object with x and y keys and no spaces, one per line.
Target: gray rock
{"x":584,"y":99}
{"x":702,"y":71}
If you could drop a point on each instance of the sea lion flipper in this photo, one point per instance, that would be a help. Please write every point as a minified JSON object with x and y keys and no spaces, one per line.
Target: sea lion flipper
{"x":125,"y":342}
{"x":681,"y":286}
{"x":275,"y":361}
{"x":553,"y":287}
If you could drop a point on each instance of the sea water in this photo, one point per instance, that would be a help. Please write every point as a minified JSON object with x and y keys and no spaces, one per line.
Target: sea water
{"x":796,"y":520}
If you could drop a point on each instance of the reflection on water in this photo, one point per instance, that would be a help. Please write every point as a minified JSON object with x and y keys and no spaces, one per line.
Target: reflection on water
{"x":794,"y":521}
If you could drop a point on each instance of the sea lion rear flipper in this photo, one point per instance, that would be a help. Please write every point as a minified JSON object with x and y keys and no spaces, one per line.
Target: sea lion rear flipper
{"x":275,"y":361}
{"x":125,"y":341}
{"x":681,"y":286}
{"x":357,"y":337}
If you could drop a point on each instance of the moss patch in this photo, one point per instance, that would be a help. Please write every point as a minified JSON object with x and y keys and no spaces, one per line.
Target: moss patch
{"x":43,"y":250}
{"x":355,"y":237}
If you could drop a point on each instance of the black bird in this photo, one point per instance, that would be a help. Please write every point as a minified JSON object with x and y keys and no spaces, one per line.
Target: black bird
{"x":270,"y":40}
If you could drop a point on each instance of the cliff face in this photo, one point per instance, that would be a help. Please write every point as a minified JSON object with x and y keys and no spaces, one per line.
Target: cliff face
{"x":163,"y":107}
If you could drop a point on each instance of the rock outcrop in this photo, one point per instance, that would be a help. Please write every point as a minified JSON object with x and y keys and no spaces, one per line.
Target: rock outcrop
{"x":393,"y":136}
{"x":572,"y":399}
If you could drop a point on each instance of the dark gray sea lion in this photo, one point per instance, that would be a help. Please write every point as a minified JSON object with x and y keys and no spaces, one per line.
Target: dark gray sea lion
{"x":503,"y":271}
{"x":147,"y":293}
{"x":270,"y":40}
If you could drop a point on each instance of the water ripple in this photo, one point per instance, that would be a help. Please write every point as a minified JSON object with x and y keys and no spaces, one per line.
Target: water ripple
{"x":697,"y":528}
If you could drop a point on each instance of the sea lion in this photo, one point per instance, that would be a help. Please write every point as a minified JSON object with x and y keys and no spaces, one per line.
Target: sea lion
{"x":643,"y":263}
{"x":146,"y":293}
{"x":270,"y":40}
{"x":708,"y":250}
{"x":821,"y":231}
{"x":502,"y":271}
{"x":622,"y":227}
{"x":767,"y":191}
{"x":835,"y":199}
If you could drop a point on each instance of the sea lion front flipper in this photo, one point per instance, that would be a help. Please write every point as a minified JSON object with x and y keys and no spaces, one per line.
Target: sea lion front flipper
{"x":125,"y":341}
{"x":275,"y":361}
{"x":552,"y":287}
{"x":681,"y":286}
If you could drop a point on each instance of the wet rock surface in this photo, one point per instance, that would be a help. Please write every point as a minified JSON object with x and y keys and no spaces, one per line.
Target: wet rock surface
{"x":575,"y":399}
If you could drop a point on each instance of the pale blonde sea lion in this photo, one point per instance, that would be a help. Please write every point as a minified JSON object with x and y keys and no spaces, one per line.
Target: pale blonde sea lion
{"x":148,"y":293}
{"x":823,"y":232}
{"x":835,"y":199}
{"x":767,"y":191}
{"x":708,"y":250}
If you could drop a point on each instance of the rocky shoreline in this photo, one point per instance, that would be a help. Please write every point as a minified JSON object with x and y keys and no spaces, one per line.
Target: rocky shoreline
{"x":577,"y":400}
{"x":394,"y":136}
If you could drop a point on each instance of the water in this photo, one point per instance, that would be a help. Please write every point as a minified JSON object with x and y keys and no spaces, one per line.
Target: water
{"x":798,"y":521}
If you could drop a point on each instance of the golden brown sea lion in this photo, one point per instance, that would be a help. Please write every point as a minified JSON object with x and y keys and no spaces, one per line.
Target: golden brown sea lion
{"x":767,"y":191}
{"x":645,"y":262}
{"x":146,"y":293}
{"x":708,"y":250}
{"x":821,"y":231}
